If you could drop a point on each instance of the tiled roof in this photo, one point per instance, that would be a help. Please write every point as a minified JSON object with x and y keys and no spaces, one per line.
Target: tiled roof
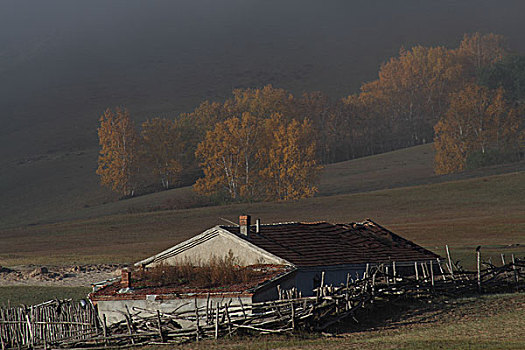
{"x":325,"y":244}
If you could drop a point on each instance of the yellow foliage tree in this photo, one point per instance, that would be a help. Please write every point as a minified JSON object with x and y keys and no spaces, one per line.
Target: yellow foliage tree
{"x":162,"y":149}
{"x":261,"y":102}
{"x":413,"y":90}
{"x":289,"y":166}
{"x":250,"y":158}
{"x":478,"y":120}
{"x":228,"y":155}
{"x":482,"y":50}
{"x":117,"y":161}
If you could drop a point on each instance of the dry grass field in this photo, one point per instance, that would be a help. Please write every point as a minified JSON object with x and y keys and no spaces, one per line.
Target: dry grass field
{"x":487,"y":211}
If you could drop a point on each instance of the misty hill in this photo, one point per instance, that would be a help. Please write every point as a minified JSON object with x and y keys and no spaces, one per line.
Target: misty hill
{"x":62,"y":63}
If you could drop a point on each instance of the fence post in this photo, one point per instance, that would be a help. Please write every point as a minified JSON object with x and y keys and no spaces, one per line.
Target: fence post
{"x":44,"y":335}
{"x":293,"y":315}
{"x":160,"y":327}
{"x":431,"y":273}
{"x":516,"y":278}
{"x":105,"y":329}
{"x":30,"y":328}
{"x":449,"y":262}
{"x":394,"y":271}
{"x":197,"y":329}
{"x":217,"y":320}
{"x":478,"y":253}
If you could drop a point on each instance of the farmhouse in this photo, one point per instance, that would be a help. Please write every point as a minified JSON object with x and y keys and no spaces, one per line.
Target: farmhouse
{"x":286,"y":256}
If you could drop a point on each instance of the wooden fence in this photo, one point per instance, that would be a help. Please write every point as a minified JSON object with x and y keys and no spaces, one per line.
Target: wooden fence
{"x":52,"y":322}
{"x":69,"y":325}
{"x":330,"y":305}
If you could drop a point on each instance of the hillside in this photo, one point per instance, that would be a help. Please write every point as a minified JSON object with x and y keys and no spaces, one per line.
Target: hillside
{"x":62,"y":64}
{"x":487,"y":211}
{"x":31,"y":203}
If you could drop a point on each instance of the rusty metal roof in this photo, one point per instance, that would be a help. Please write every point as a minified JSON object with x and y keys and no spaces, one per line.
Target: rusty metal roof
{"x":325,"y":244}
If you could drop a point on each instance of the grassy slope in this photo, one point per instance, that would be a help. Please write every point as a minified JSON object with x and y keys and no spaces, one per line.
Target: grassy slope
{"x":34,"y":295}
{"x":488,"y":322}
{"x":404,"y":167}
{"x":464,"y":213}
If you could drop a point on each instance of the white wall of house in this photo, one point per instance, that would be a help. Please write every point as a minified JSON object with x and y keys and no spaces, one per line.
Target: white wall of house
{"x":219,"y":246}
{"x":114,"y":310}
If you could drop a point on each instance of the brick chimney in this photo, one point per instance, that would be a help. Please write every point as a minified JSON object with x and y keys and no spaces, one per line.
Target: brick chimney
{"x":244,"y":225}
{"x":125,"y":281}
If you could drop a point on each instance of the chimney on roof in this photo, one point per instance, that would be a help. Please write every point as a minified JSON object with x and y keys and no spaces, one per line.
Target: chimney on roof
{"x":125,"y":281}
{"x":257,"y":226}
{"x":244,"y":225}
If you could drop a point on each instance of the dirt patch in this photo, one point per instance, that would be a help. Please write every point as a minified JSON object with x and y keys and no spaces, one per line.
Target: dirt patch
{"x":71,"y":276}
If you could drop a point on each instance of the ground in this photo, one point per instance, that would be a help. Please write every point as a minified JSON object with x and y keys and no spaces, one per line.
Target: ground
{"x":463,"y":211}
{"x":32,"y":284}
{"x":485,"y":211}
{"x":486,"y":322}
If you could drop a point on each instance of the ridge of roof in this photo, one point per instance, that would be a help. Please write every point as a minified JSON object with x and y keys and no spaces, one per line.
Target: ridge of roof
{"x":271,"y":224}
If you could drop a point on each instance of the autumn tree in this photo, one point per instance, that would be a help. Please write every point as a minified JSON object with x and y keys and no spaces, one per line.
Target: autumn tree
{"x":480,"y":50}
{"x":162,"y":149}
{"x":251,"y":158}
{"x":508,"y":73}
{"x":228,"y":155}
{"x":289,"y":167}
{"x":261,"y":102}
{"x":206,"y":115}
{"x":478,"y":121}
{"x":413,"y":91}
{"x":361,"y":127}
{"x":322,"y":112}
{"x":117,"y":161}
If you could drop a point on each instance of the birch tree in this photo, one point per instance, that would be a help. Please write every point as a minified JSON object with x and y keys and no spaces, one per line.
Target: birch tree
{"x":161,"y":150}
{"x":118,"y":159}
